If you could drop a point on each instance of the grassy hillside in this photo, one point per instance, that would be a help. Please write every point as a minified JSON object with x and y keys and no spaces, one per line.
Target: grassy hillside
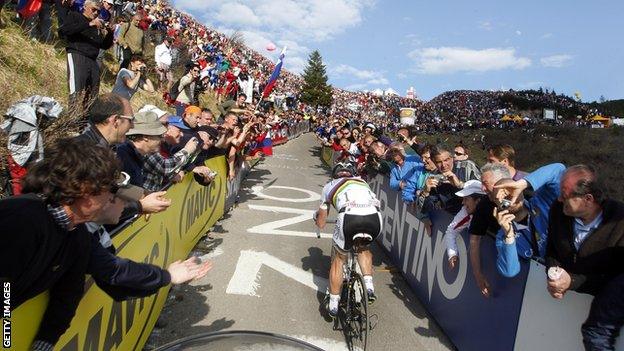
{"x":31,"y":68}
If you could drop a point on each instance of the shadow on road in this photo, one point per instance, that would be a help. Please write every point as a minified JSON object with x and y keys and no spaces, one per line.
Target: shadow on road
{"x":318,"y":263}
{"x":195,"y":306}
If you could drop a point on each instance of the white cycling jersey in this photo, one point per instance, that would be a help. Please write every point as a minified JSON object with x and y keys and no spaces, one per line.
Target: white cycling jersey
{"x":351,"y":194}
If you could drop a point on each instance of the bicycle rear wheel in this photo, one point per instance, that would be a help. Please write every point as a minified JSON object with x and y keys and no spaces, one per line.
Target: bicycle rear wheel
{"x":358,"y":313}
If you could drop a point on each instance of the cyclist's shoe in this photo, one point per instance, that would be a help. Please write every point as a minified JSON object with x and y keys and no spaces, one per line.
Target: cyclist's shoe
{"x":371,"y":296}
{"x":332,"y":312}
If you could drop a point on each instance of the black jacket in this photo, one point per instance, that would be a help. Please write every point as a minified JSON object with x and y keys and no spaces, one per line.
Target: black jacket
{"x":600,"y":256}
{"x":83,"y":39}
{"x":39,"y":255}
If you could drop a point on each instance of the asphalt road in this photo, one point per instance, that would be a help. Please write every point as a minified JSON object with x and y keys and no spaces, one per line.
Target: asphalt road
{"x":270,"y":271}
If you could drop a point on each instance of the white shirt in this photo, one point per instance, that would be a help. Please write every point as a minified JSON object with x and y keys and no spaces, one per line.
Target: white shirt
{"x":460,"y":222}
{"x":162,"y":55}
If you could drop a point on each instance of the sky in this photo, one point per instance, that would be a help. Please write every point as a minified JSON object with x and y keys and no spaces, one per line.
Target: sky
{"x":436,"y":46}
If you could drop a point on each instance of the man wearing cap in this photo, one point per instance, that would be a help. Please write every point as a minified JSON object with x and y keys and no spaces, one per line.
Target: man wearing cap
{"x":159,"y":169}
{"x":163,"y":58}
{"x":110,"y":118}
{"x":130,"y":80}
{"x":143,"y":139}
{"x":471,"y":195}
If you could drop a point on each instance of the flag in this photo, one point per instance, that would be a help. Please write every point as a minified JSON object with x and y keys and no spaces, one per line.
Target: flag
{"x":28,"y":8}
{"x":276,"y":72}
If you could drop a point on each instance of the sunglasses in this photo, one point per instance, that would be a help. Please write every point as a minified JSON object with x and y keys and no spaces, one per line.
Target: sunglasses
{"x":459,"y":154}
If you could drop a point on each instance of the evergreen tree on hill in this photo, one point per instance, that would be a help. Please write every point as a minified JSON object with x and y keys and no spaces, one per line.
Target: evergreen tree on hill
{"x":315,"y":91}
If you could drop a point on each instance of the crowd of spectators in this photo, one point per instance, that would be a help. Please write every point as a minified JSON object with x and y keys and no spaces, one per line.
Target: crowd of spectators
{"x":128,"y":159}
{"x":557,"y":215}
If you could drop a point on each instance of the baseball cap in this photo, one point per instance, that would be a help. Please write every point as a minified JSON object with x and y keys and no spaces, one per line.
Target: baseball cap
{"x":370,"y":125}
{"x":471,"y":187}
{"x":147,"y":123}
{"x":126,"y":191}
{"x":177,"y":122}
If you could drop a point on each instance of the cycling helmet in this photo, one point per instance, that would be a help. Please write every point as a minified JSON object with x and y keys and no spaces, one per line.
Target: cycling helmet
{"x":343,"y":169}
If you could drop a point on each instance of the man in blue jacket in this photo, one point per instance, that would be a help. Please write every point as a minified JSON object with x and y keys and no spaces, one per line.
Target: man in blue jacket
{"x":524,"y":222}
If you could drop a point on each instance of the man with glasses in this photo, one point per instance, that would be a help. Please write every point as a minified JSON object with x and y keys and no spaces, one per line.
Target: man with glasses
{"x":45,"y":245}
{"x":86,"y":34}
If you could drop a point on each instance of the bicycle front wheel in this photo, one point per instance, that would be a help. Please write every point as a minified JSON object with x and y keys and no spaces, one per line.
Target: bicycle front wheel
{"x":358,"y":321}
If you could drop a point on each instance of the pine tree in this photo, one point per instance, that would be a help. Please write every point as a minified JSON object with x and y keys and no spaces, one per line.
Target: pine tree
{"x":315,"y":91}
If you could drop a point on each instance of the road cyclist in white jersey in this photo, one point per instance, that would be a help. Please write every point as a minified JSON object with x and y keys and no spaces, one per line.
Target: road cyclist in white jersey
{"x":358,"y":218}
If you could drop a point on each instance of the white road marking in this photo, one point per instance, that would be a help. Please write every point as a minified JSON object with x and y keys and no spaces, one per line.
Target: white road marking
{"x":246,"y":278}
{"x":258,"y":190}
{"x":272,"y":227}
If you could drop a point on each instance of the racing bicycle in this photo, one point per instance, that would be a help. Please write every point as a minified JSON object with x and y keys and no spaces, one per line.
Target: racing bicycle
{"x":353,"y":316}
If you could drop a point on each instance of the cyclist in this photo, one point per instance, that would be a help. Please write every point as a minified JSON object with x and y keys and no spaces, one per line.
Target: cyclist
{"x":358,"y":217}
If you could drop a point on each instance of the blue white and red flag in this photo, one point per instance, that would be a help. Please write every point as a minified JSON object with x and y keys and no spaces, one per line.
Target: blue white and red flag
{"x":276,"y":72}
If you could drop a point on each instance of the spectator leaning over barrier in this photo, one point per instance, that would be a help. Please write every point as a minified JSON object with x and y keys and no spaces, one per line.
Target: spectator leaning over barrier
{"x":505,"y":154}
{"x":130,"y":80}
{"x":375,"y":160}
{"x":185,"y":89}
{"x":45,"y":245}
{"x":404,"y":175}
{"x":350,"y":150}
{"x":471,"y":195}
{"x":206,"y":118}
{"x":164,"y":59}
{"x":131,"y":39}
{"x":524,"y":223}
{"x":143,"y":139}
{"x":585,"y":253}
{"x":483,"y":221}
{"x":85,"y":35}
{"x":158,"y":170}
{"x":110,"y":118}
{"x":229,"y":105}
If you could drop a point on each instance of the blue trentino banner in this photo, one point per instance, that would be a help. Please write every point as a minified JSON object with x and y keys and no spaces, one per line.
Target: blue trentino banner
{"x":471,"y":321}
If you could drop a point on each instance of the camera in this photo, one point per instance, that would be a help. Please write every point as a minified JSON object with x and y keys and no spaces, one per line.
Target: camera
{"x":143,"y":69}
{"x":504,"y":204}
{"x":439,"y":177}
{"x":212,"y":174}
